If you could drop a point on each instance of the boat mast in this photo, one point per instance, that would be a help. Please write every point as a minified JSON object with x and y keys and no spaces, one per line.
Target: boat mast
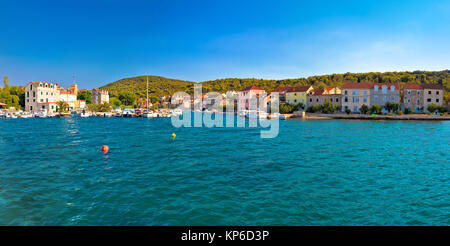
{"x":147,"y":93}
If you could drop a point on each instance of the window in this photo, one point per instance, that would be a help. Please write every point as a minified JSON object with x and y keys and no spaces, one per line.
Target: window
{"x":437,"y":92}
{"x":365,"y":92}
{"x":345,"y":99}
{"x":31,"y":108}
{"x":310,"y":100}
{"x":355,"y":109}
{"x":47,"y":93}
{"x":52,"y":106}
{"x":376,"y":88}
{"x":437,"y":100}
{"x":409,"y":100}
{"x":337,"y":99}
{"x":28,"y":94}
{"x":346,"y":92}
{"x":365,"y":99}
{"x":331,"y":99}
{"x":34,"y":94}
{"x":429,"y":100}
{"x":384,"y":89}
{"x":42,"y":93}
{"x":31,"y":87}
{"x":46,"y":99}
{"x":418,"y":92}
{"x":392,"y":88}
{"x":429,"y":92}
{"x":295,"y":94}
{"x":317,"y":100}
{"x":42,"y":100}
{"x":295,"y":101}
{"x":355,"y":99}
{"x":409,"y":92}
{"x":28,"y":100}
{"x":303,"y":93}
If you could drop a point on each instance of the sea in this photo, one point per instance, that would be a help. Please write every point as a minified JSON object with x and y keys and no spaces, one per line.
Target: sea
{"x":315,"y":172}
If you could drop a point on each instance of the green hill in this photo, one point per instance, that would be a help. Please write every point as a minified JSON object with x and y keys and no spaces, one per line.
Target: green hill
{"x":157,"y":85}
{"x":164,"y":86}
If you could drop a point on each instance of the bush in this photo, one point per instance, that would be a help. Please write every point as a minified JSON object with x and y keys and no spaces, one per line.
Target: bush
{"x":407,"y":111}
{"x":348,"y":111}
{"x":375,"y":109}
{"x":364,"y":109}
{"x":287,"y":108}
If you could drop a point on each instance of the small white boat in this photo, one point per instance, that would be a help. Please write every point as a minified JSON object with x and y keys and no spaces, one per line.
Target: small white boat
{"x":148,"y":114}
{"x":256,"y":114}
{"x":177,"y":112}
{"x":85,"y":114}
{"x":41,"y":114}
{"x":51,"y":115}
{"x":26,"y":116}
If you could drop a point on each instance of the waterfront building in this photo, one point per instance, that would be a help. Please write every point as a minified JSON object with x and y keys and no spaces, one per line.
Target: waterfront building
{"x":251,"y":98}
{"x":432,"y":94}
{"x":142,"y":103}
{"x":354,"y":95}
{"x":100,"y":96}
{"x":296,"y":95}
{"x":319,"y":96}
{"x":44,"y":96}
{"x":40,"y":96}
{"x":412,"y":97}
{"x":383,"y":93}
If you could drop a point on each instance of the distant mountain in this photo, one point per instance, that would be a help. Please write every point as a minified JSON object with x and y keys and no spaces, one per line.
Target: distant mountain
{"x":164,"y":86}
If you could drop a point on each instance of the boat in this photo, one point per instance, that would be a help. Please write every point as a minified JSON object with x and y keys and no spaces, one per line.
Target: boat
{"x":26,"y":115}
{"x":256,"y":114}
{"x":148,"y":114}
{"x":243,"y":113}
{"x":41,"y":114}
{"x":127,"y":113}
{"x":85,"y":114}
{"x":177,"y":112}
{"x":51,"y":115}
{"x":74,"y":114}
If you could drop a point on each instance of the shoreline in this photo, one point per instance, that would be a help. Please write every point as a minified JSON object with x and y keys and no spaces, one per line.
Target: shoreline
{"x":418,"y":117}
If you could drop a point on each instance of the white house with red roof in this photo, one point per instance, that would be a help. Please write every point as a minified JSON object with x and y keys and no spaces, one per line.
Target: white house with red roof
{"x":251,"y":98}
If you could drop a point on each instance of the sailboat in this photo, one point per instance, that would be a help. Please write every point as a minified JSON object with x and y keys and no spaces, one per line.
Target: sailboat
{"x":147,"y":113}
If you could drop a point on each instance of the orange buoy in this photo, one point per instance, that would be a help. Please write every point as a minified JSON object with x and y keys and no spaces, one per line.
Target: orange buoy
{"x":105,"y":149}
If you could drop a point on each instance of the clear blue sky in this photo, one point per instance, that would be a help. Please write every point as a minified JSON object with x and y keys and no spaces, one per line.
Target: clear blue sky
{"x":103,"y":41}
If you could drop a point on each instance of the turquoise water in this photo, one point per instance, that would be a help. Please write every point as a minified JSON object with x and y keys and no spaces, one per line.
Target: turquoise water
{"x":52,"y":172}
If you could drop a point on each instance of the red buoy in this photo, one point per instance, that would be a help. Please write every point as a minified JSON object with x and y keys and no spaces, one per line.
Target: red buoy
{"x":105,"y":149}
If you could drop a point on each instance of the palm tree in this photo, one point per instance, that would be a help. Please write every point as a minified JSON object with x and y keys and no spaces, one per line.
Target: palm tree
{"x":63,"y":106}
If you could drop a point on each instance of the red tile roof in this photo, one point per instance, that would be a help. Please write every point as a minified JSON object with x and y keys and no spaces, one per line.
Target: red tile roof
{"x":432,"y":86}
{"x":412,"y":86}
{"x":396,"y":85}
{"x":252,"y":88}
{"x":299,"y":88}
{"x":318,"y":92}
{"x":358,"y":85}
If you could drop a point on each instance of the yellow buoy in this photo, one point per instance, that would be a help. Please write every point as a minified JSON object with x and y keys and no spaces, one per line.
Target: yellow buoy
{"x":174,"y":135}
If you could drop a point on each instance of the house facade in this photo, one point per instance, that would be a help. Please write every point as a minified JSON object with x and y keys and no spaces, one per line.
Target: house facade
{"x":296,"y":95}
{"x":432,"y":94}
{"x":100,"y":96}
{"x":354,"y":95}
{"x":251,"y":98}
{"x":412,"y":97}
{"x":319,"y":96}
{"x":383,"y":93}
{"x":40,"y":96}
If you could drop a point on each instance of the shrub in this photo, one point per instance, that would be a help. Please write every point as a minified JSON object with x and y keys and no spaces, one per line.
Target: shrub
{"x":348,"y":111}
{"x":364,"y":109}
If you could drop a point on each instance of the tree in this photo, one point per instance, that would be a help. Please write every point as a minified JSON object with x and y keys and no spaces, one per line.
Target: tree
{"x":105,"y":107}
{"x":407,"y":111}
{"x":348,"y":111}
{"x":85,"y":95}
{"x":364,"y":109}
{"x":287,"y":108}
{"x":432,"y":108}
{"x":63,"y":107}
{"x":327,"y":107}
{"x":127,"y":98}
{"x":375,"y":109}
{"x":6,"y":81}
{"x":115,"y":102}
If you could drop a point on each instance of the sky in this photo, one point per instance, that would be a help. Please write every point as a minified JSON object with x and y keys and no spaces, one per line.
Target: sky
{"x":103,"y":41}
